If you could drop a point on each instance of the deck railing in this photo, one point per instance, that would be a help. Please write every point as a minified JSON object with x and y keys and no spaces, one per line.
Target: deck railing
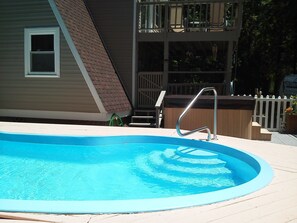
{"x":193,"y":88}
{"x":269,"y":111}
{"x":150,"y":84}
{"x":159,"y":106}
{"x":149,"y":87}
{"x":187,"y":16}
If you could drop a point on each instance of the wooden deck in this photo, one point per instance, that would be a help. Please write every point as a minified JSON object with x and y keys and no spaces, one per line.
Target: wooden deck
{"x":274,"y":203}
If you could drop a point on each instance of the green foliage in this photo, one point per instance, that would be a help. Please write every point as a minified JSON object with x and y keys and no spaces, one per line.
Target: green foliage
{"x":267,"y":49}
{"x":292,"y":110}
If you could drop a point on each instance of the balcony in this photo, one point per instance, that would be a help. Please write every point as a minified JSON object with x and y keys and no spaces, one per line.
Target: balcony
{"x":188,"y":16}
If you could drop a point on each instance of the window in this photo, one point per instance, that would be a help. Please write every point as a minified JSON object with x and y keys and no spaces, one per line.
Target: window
{"x":42,"y":52}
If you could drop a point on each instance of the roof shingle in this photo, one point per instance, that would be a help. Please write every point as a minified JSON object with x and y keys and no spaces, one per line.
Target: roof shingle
{"x":93,"y":54}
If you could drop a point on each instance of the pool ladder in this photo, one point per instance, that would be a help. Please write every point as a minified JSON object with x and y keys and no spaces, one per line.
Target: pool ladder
{"x":204,"y":127}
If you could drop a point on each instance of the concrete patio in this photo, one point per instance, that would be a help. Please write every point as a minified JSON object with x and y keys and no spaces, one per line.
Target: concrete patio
{"x":285,"y":139}
{"x":274,"y":203}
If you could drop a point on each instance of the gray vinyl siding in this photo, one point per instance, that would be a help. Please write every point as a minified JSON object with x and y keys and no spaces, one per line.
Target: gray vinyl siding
{"x":68,"y":93}
{"x":114,"y":21}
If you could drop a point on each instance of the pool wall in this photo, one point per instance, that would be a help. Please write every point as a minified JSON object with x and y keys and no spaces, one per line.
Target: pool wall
{"x":264,"y":177}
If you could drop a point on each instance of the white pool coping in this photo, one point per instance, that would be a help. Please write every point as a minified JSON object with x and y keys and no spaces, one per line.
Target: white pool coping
{"x":274,"y":203}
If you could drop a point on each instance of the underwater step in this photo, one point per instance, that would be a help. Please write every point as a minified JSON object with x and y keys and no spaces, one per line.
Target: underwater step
{"x":195,"y":153}
{"x":152,"y":175}
{"x":156,"y":161}
{"x":170,"y":156}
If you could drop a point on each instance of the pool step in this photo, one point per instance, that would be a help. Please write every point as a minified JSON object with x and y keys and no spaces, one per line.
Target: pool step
{"x":186,"y":180}
{"x":155,"y":160}
{"x":194,"y":153}
{"x":186,"y":166}
{"x":170,"y":156}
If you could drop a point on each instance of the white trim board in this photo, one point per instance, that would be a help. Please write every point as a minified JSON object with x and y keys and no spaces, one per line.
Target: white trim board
{"x":62,"y":115}
{"x":80,"y":116}
{"x":77,"y":57}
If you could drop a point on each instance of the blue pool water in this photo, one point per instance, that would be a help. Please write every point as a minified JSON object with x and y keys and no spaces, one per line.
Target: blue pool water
{"x":63,"y":174}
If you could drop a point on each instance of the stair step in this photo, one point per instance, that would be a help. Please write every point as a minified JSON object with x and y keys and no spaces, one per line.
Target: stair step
{"x":259,"y":133}
{"x":143,"y":117}
{"x":144,"y":112}
{"x":142,"y":124}
{"x":171,"y":157}
{"x":265,"y":131}
{"x":256,"y":124}
{"x":265,"y":134}
{"x":194,"y":153}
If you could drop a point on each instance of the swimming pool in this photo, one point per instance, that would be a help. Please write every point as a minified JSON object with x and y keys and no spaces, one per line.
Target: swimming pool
{"x":121,"y":174}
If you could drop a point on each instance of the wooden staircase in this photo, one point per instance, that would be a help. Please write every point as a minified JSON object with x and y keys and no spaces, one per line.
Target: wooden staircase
{"x":143,"y":118}
{"x":259,"y":133}
{"x":149,"y":117}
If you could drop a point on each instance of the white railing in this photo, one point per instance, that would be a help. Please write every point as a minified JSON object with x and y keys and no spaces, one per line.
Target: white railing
{"x":159,"y":108}
{"x":269,"y":112}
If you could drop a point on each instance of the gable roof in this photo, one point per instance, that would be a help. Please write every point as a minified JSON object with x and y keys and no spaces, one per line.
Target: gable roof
{"x":92,"y":57}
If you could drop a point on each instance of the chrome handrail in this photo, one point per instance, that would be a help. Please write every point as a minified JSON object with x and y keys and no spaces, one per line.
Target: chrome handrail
{"x":205,"y":127}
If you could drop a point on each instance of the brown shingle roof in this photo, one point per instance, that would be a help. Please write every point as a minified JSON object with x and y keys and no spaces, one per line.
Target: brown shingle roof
{"x":93,"y":54}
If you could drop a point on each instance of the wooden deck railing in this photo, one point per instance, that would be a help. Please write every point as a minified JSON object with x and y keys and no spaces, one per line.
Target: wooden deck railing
{"x":150,"y":84}
{"x":193,"y":88}
{"x":149,"y":87}
{"x":187,"y":16}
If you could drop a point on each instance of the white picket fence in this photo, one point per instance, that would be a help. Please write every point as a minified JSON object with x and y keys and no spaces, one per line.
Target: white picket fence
{"x":269,"y":112}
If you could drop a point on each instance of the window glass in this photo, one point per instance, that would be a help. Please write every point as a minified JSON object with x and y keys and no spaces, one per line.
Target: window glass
{"x":43,"y":62}
{"x":42,"y":53}
{"x":42,"y":42}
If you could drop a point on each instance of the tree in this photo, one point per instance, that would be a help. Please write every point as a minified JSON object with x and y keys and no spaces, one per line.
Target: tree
{"x":267,"y":49}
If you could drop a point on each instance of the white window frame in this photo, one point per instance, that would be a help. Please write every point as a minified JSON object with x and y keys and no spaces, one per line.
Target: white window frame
{"x":27,"y":47}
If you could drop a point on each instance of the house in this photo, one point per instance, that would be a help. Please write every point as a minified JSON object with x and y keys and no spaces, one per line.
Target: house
{"x":53,"y":64}
{"x":88,"y":59}
{"x":178,"y":46}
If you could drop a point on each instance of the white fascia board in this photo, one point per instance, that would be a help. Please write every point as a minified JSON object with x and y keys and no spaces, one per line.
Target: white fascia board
{"x":77,"y":57}
{"x":42,"y":114}
{"x":62,"y":115}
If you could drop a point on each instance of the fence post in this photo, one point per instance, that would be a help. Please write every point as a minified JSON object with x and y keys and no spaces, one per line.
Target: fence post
{"x":261,"y":109}
{"x":266,"y":114}
{"x":255,"y":109}
{"x":278,"y":114}
{"x":273,"y":100}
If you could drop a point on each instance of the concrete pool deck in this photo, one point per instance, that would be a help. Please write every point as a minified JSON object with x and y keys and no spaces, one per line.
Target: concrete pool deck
{"x":275,"y":203}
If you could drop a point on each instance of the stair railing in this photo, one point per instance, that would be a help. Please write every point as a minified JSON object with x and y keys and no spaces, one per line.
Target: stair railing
{"x":159,"y":108}
{"x":204,"y":127}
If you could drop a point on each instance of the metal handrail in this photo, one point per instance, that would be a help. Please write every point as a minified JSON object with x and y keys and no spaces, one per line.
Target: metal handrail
{"x":205,"y":127}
